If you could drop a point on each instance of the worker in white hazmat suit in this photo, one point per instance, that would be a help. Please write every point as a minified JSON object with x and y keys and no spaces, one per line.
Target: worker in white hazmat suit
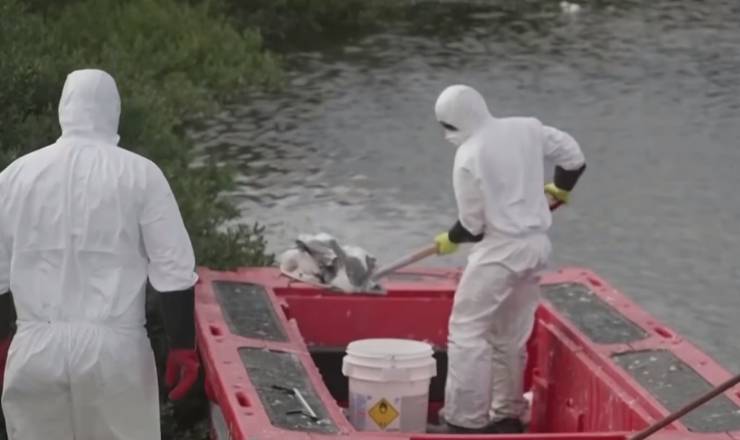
{"x":83,"y":225}
{"x":498,"y":180}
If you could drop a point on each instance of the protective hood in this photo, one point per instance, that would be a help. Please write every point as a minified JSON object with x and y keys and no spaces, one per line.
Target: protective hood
{"x":90,"y":106}
{"x":462,"y":111}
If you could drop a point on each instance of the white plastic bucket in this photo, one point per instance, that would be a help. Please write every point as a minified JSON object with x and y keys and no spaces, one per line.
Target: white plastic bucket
{"x":389,"y":384}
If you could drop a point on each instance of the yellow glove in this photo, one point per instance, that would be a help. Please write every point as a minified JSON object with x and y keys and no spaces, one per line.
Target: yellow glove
{"x":556,"y":193}
{"x":444,"y":245}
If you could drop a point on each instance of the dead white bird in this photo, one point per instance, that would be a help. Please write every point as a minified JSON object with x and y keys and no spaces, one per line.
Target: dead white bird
{"x":321,"y":260}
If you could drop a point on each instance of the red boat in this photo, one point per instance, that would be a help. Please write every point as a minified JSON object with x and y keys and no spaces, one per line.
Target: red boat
{"x":599,"y":366}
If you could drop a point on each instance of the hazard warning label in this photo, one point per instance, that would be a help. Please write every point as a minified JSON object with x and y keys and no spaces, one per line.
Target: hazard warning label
{"x":383,"y":413}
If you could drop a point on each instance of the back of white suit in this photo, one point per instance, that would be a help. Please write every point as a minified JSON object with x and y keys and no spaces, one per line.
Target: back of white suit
{"x":506,"y":161}
{"x":84,"y":224}
{"x":511,"y":169}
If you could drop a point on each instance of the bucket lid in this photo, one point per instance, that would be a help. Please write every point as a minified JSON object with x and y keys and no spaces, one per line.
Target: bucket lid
{"x":389,"y":348}
{"x":384,"y":360}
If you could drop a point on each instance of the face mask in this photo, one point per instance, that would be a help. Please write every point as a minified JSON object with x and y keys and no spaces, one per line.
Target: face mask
{"x":452,"y":134}
{"x":454,"y":137}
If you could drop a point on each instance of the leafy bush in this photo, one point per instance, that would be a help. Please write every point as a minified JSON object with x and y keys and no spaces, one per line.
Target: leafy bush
{"x":172,"y":62}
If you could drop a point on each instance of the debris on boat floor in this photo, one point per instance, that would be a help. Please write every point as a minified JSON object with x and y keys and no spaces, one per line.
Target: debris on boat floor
{"x":673,"y":382}
{"x":596,"y":318}
{"x":286,"y":392}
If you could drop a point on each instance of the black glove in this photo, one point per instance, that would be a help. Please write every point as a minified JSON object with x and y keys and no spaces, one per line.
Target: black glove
{"x":458,"y":234}
{"x":178,"y":313}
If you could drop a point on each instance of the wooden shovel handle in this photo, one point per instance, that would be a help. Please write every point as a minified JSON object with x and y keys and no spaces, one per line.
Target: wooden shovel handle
{"x":418,"y":255}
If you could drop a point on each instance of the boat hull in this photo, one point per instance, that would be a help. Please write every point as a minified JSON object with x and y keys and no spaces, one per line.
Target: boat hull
{"x":599,"y":366}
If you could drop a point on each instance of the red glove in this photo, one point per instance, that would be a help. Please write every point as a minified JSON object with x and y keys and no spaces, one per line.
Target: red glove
{"x":182,"y":372}
{"x":4,"y":346}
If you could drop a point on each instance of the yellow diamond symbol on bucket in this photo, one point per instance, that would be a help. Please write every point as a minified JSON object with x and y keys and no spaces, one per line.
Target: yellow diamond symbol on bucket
{"x":383,"y":413}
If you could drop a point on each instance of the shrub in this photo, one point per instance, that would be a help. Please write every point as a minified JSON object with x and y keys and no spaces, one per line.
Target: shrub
{"x":172,"y":61}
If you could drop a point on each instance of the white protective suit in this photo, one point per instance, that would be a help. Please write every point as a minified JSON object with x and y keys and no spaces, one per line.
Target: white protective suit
{"x":83,"y":223}
{"x":498,"y":180}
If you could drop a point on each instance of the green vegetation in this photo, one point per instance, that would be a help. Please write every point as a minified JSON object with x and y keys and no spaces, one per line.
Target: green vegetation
{"x":174,"y":61}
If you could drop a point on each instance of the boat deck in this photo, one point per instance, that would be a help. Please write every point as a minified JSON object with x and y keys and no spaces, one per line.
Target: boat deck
{"x":599,"y":367}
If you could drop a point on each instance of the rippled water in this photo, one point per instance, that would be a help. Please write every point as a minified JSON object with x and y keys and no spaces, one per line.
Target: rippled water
{"x":651,"y":90}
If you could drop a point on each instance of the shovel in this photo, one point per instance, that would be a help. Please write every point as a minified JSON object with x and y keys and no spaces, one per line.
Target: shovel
{"x":369,"y":282}
{"x":412,"y":258}
{"x":421,"y":254}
